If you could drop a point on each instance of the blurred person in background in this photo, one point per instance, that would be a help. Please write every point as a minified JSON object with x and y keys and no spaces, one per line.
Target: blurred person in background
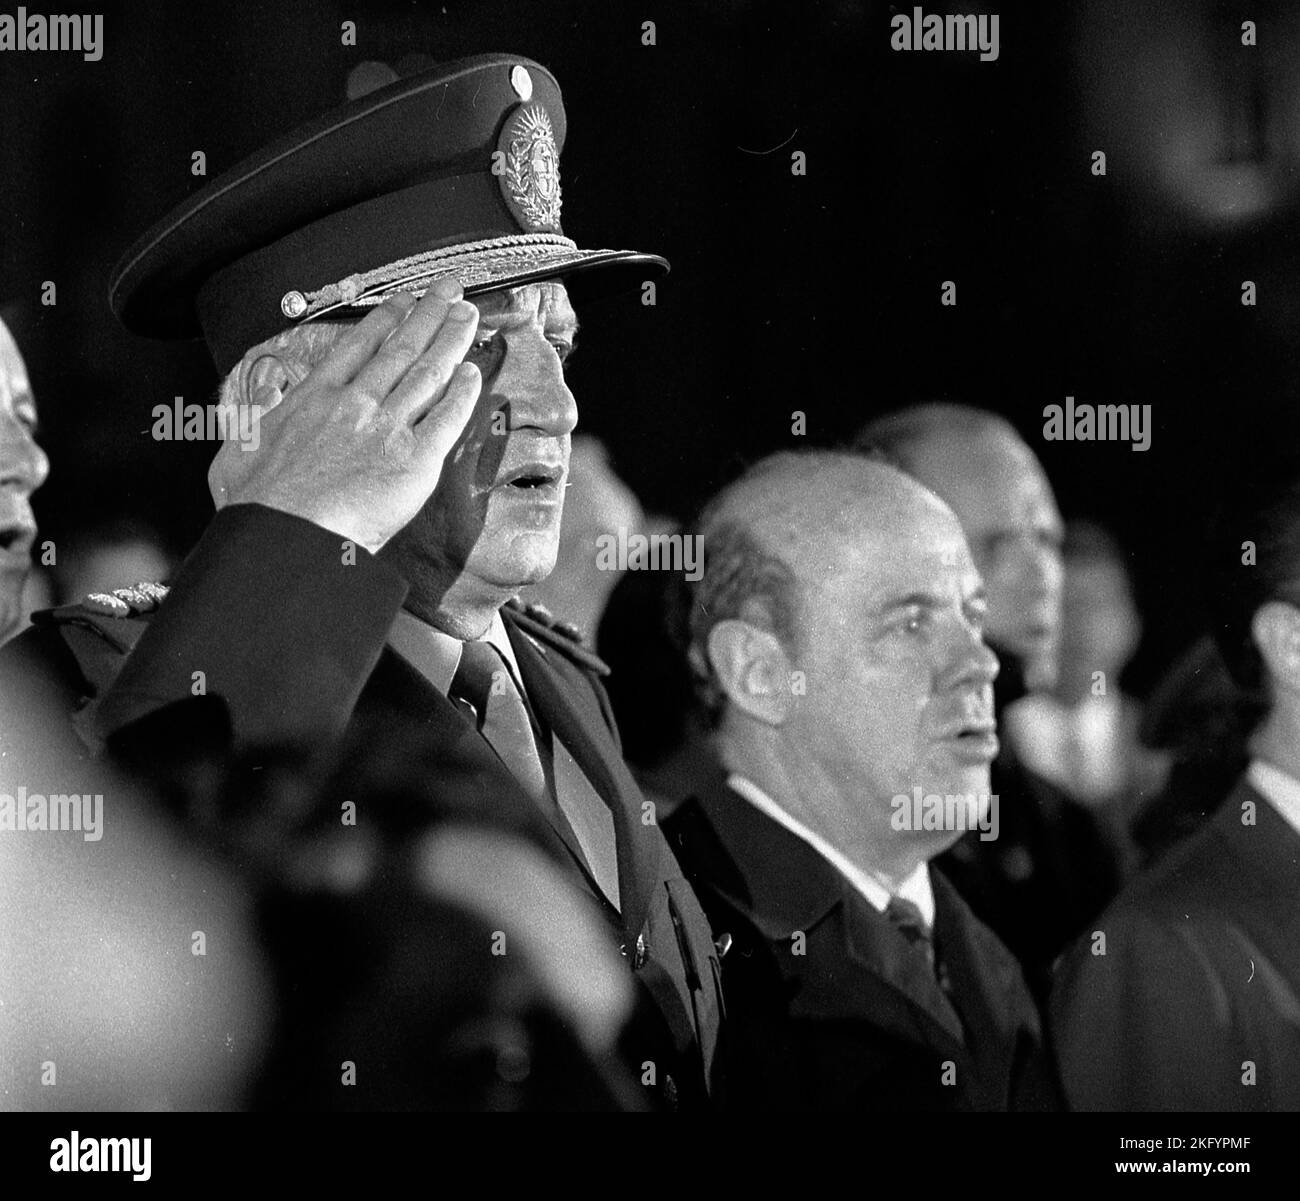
{"x":1186,"y":996}
{"x":650,"y":686}
{"x":1051,"y":868}
{"x":23,"y":468}
{"x":1197,"y":722}
{"x":1082,"y":734}
{"x":596,"y":503}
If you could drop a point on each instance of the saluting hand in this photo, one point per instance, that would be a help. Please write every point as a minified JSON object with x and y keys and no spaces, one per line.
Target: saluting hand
{"x":358,"y":445}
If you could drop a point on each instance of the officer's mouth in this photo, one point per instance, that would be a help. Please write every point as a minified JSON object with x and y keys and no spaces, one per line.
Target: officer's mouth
{"x":538,"y":482}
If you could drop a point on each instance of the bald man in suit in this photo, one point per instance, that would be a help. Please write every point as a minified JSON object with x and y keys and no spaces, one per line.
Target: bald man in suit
{"x":836,"y":639}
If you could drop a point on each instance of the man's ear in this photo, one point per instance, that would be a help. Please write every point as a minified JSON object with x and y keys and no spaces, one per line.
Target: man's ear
{"x":752,"y":668}
{"x":1276,"y":631}
{"x":267,"y":374}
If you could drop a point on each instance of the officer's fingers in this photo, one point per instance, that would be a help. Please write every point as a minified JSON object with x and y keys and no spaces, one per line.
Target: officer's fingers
{"x":430,"y":373}
{"x":442,"y":424}
{"x":393,"y":359}
{"x":357,"y":347}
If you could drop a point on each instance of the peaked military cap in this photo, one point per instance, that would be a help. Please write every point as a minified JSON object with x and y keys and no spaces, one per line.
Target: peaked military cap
{"x":454,"y":171}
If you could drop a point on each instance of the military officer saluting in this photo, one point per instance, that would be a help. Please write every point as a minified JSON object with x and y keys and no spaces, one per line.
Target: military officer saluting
{"x":408,"y":481}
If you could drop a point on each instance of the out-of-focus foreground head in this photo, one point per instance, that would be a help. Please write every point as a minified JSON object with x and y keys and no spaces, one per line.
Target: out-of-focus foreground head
{"x":977,"y":462}
{"x":23,"y":468}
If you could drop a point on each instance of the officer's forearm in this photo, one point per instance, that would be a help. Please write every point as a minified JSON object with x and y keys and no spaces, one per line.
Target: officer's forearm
{"x":273,"y":614}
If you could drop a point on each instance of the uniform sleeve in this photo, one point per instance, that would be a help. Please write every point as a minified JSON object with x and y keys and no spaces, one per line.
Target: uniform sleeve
{"x":278,"y":617}
{"x":1149,"y":1025}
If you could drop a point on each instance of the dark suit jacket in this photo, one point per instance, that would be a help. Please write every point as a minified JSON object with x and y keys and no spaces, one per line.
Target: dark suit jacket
{"x":1050,"y":871}
{"x":858,"y":1021}
{"x":1200,"y":977}
{"x":291,"y":636}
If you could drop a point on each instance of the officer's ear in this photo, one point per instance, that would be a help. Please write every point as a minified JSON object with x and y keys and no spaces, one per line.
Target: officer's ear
{"x":267,"y":374}
{"x":752,"y":668}
{"x":1276,"y":631}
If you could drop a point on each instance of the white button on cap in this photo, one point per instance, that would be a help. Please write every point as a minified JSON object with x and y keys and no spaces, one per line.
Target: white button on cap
{"x":521,"y":81}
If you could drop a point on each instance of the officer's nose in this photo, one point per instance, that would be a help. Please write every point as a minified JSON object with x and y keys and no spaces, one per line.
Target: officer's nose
{"x":531,"y":382}
{"x":23,"y":465}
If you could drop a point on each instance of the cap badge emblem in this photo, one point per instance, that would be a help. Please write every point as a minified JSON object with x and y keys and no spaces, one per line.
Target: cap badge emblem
{"x":531,"y":180}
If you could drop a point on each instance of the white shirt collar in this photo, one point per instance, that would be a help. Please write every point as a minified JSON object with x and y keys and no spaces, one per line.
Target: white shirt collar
{"x":1281,"y":790}
{"x":436,"y":654}
{"x":916,"y":888}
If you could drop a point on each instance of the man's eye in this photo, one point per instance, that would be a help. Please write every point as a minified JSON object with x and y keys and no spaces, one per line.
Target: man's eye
{"x":912,"y":623}
{"x":562,"y":347}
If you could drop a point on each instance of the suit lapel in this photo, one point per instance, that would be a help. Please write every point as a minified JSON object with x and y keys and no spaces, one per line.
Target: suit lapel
{"x":872,"y":942}
{"x":560,"y":695}
{"x":782,"y":885}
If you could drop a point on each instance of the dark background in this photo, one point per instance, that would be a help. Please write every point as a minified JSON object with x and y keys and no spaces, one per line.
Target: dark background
{"x":817,"y":293}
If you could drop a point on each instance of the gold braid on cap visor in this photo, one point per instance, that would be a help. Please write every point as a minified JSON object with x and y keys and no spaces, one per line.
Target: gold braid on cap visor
{"x":472,"y":263}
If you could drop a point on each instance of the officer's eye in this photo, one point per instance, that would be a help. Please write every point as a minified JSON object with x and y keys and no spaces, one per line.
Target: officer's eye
{"x":910,"y":623}
{"x":563,"y":347}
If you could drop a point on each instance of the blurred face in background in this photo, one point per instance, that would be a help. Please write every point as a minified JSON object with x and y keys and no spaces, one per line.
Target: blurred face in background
{"x":23,"y":468}
{"x":995,"y":485}
{"x":1100,"y":623}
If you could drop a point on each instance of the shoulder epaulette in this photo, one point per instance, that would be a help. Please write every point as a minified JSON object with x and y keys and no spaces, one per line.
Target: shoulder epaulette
{"x":106,"y":612}
{"x":99,"y":632}
{"x":538,"y":622}
{"x":124,"y":602}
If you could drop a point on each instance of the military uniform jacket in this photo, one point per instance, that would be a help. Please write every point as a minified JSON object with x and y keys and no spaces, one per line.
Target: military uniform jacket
{"x":1195,"y":1003}
{"x":828,"y":1006}
{"x":287,"y":625}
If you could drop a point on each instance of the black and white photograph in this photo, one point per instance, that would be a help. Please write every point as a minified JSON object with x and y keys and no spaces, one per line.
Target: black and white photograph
{"x":734,"y":561}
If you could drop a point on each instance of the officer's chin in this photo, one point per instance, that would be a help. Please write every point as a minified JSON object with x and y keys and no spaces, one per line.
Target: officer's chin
{"x":525,"y":559}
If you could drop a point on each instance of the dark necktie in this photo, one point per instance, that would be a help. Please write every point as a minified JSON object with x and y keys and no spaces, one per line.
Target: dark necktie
{"x":911,"y":925}
{"x":483,"y":681}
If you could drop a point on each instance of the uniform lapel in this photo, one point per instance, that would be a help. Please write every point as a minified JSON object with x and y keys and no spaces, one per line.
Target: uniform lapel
{"x":561,"y":697}
{"x":397,"y":688}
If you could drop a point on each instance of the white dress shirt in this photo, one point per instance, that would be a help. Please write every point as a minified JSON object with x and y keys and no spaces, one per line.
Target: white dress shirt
{"x":916,"y":888}
{"x":436,"y":654}
{"x":1281,"y":790}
